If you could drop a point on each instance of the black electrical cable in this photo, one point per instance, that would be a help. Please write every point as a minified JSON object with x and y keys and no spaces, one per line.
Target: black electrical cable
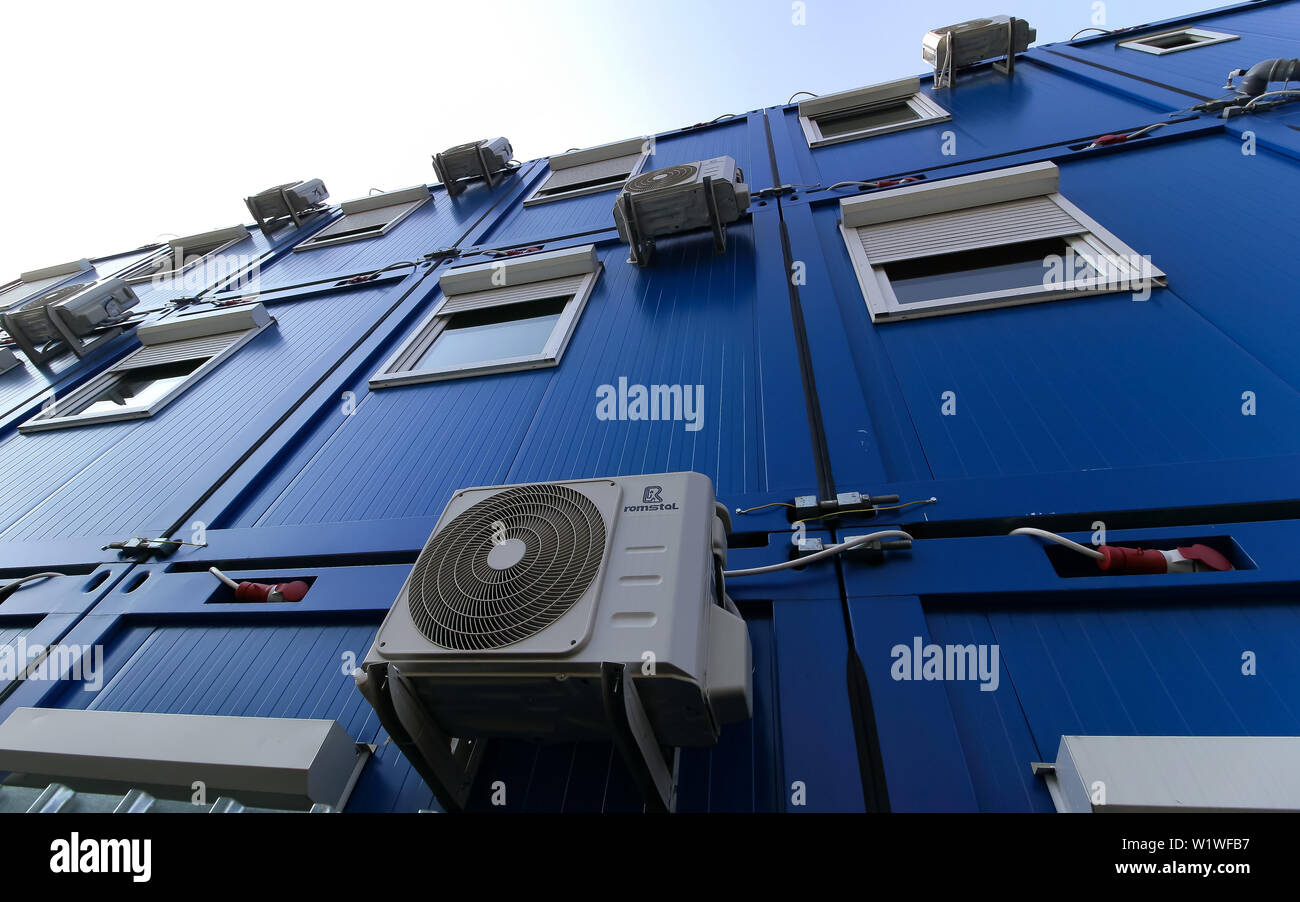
{"x":9,"y":588}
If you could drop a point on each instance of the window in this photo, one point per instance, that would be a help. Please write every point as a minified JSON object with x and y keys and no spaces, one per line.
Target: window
{"x":592,"y":170}
{"x":32,"y":283}
{"x":368,"y":217}
{"x":185,"y":253}
{"x":864,"y":112}
{"x":990,"y":240}
{"x":1173,"y":41}
{"x":498,"y":317}
{"x":177,"y":352}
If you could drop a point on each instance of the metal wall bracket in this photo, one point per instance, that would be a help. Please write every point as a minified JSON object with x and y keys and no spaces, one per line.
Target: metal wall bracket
{"x":640,"y":249}
{"x":654,"y":766}
{"x":715,"y":218}
{"x":448,"y":765}
{"x":1008,"y":66}
{"x":456,"y":186}
{"x":143,"y":549}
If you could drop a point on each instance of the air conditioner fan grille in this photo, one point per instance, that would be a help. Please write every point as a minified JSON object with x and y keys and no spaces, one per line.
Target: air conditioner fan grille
{"x":506,"y":568}
{"x":663,"y":178}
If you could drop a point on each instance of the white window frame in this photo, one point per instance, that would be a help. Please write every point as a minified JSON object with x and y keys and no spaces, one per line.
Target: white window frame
{"x":194,"y":339}
{"x":538,"y":275}
{"x":408,"y":199}
{"x":1094,"y":243}
{"x":220,"y":241}
{"x":1211,"y":37}
{"x":575,"y":158}
{"x":904,"y":91}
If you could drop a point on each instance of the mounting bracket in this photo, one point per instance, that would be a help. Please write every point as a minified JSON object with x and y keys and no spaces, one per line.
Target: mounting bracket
{"x":654,"y":767}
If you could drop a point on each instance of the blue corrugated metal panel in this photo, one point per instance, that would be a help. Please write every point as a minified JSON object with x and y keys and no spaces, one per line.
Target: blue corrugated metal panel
{"x":995,"y":740}
{"x":97,"y":479}
{"x":11,"y":632}
{"x":1167,"y":670}
{"x":1098,"y":404}
{"x":438,"y":223}
{"x":1266,"y":32}
{"x":179,"y":653}
{"x":1154,"y":198}
{"x":693,"y":322}
{"x":991,"y":115}
{"x":1075,"y":384}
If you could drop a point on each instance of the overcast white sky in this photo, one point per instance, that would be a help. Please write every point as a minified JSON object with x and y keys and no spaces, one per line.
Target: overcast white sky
{"x":129,"y":122}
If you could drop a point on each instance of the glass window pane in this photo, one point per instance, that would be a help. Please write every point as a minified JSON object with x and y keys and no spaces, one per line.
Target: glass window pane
{"x":861,"y":120}
{"x":477,"y":336}
{"x":1004,"y":268}
{"x":136,"y":389}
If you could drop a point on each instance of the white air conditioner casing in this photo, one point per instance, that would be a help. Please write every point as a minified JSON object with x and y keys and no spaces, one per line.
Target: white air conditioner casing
{"x":291,"y":200}
{"x":64,"y":318}
{"x":523,"y":592}
{"x":94,"y":305}
{"x":32,"y":321}
{"x":673,"y":199}
{"x":974,"y":41}
{"x":466,"y":161}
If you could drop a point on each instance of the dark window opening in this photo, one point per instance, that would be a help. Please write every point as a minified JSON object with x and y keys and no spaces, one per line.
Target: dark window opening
{"x":138,"y":388}
{"x":352,"y":233}
{"x":605,"y":180}
{"x":1002,"y":268}
{"x":863,"y":119}
{"x":1170,"y":41}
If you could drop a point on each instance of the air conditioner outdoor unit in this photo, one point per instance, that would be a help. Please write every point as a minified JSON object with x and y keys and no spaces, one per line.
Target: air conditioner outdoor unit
{"x":708,"y":193}
{"x":66,"y":317}
{"x":292,"y":201}
{"x":8,"y":360}
{"x":564,"y":611}
{"x":967,"y":43}
{"x":465,"y":163}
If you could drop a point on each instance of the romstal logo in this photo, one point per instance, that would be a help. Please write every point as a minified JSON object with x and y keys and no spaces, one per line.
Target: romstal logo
{"x":652,"y":499}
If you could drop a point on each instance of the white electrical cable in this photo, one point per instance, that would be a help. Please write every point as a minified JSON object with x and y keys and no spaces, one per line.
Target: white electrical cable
{"x":1060,"y":540}
{"x":1260,"y":97}
{"x":225,"y":579}
{"x":825,"y":552}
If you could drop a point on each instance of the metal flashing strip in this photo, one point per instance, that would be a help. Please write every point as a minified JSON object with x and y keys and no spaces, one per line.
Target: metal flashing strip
{"x":279,"y":759}
{"x":1173,"y":774}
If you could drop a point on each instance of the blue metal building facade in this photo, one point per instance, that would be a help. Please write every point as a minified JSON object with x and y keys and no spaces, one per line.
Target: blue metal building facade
{"x":1069,"y":412}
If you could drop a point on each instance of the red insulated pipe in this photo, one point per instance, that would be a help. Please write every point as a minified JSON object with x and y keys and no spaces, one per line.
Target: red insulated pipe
{"x":1131,"y":560}
{"x":261,"y":592}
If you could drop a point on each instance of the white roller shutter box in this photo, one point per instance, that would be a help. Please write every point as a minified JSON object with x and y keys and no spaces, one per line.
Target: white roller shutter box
{"x":1012,"y":222}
